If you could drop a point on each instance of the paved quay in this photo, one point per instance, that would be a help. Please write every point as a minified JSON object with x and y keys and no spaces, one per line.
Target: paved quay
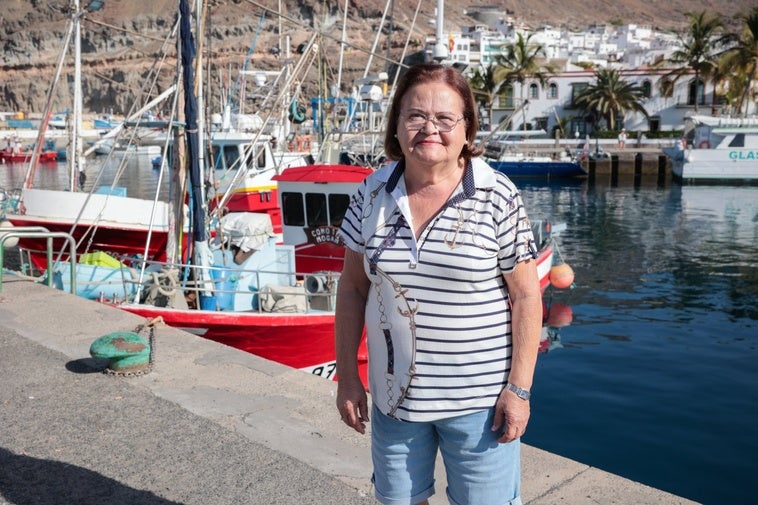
{"x":208,"y":425}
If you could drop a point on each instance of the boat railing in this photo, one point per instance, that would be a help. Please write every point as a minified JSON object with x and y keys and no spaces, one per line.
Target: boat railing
{"x":40,"y":232}
{"x":226,"y":288}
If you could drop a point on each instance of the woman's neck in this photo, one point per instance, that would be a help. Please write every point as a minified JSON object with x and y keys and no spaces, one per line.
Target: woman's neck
{"x":434,"y":178}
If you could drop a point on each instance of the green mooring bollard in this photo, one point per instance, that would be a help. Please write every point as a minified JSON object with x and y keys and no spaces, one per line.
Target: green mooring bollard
{"x":126,"y":352}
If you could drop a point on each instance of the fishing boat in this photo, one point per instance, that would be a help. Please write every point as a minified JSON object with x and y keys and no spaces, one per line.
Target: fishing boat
{"x":716,"y":149}
{"x":229,"y":276}
{"x":517,"y":164}
{"x":19,"y":155}
{"x":273,"y":299}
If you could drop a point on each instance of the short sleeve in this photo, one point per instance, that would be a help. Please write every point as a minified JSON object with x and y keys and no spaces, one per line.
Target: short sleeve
{"x":351,"y":229}
{"x":514,"y":230}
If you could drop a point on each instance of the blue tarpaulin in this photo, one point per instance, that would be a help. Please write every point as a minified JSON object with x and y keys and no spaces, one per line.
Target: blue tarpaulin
{"x":190,"y":119}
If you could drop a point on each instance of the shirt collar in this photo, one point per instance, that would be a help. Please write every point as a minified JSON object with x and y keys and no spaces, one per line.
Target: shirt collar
{"x":478,"y":174}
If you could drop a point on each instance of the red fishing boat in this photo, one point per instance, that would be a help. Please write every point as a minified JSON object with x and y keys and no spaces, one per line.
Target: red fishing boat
{"x":14,"y":155}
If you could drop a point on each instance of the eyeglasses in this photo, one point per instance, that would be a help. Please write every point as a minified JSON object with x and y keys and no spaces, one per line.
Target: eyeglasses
{"x":443,"y":121}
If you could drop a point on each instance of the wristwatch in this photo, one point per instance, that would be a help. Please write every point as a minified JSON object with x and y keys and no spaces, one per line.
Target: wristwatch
{"x":522,"y":393}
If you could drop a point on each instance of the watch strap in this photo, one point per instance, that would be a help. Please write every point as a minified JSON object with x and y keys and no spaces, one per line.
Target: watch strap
{"x":522,"y":393}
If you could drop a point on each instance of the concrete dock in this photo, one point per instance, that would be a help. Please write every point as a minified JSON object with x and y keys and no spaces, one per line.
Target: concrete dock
{"x":208,"y":425}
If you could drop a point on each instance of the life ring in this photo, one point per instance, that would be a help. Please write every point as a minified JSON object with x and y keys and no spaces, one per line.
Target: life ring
{"x":704,"y":144}
{"x":297,"y":112}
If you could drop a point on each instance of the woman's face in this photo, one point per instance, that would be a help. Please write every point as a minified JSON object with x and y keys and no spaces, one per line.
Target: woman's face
{"x":428,"y":145}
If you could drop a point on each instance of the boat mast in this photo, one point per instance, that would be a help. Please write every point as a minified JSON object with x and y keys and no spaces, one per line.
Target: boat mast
{"x":76,"y":163}
{"x":200,"y":20}
{"x":440,"y":52}
{"x":34,"y":161}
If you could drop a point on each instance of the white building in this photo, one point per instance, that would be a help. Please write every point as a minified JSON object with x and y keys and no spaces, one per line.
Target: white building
{"x":631,"y":49}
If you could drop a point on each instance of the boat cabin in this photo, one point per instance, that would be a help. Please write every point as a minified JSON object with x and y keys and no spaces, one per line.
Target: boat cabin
{"x":313,"y":200}
{"x":705,"y":132}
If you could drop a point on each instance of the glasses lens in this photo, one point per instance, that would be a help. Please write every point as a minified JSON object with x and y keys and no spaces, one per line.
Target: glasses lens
{"x":416,"y":121}
{"x":446,"y":122}
{"x":443,"y":122}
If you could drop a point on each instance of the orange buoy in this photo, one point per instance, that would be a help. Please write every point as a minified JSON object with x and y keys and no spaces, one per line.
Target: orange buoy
{"x":559,"y":315}
{"x":561,"y":276}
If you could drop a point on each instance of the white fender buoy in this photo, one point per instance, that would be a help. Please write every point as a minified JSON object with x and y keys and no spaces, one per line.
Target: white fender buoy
{"x":11,"y":242}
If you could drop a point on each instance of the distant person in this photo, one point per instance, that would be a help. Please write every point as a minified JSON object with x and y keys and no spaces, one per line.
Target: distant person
{"x":622,"y":139}
{"x":440,"y":267}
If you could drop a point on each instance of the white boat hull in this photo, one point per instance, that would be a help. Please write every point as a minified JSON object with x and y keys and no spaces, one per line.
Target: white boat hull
{"x":715,"y":164}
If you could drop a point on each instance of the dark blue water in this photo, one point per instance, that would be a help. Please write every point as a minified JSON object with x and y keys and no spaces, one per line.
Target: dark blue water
{"x":656,"y":377}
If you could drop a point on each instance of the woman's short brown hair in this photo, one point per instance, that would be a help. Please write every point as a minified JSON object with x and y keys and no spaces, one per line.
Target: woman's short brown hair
{"x":421,"y":74}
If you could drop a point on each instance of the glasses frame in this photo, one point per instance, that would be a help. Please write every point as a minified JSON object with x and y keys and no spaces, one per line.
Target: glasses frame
{"x":433,"y":118}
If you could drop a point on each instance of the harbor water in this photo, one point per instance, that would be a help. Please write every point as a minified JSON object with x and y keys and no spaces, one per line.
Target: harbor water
{"x":651,"y":371}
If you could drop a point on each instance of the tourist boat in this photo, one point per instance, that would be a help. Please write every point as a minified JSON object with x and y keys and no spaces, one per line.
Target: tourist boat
{"x":716,"y":149}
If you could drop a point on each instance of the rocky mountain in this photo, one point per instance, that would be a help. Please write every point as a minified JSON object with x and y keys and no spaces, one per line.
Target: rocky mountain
{"x":120,"y":42}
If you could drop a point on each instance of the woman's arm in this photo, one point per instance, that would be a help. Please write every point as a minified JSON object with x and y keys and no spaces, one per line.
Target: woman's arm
{"x":526,"y":325}
{"x":352,"y":291}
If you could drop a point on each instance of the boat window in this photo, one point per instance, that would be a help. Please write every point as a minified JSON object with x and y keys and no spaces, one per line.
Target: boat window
{"x":215,"y":156}
{"x":258,"y":158}
{"x":292,"y":208}
{"x":231,"y":155}
{"x":738,"y":140}
{"x":337,"y":208}
{"x":315,"y":209}
{"x":261,"y":158}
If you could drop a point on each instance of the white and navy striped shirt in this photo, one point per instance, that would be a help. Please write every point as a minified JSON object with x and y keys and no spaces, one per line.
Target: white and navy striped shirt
{"x":438,"y":308}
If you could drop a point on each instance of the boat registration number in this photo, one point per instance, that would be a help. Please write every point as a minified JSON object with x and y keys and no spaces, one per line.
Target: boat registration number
{"x":325,"y":370}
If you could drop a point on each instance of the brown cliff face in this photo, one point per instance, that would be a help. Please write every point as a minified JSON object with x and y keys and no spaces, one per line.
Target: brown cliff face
{"x":119,"y":43}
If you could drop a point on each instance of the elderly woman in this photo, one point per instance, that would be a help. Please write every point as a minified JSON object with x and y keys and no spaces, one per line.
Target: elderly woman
{"x":440,"y":267}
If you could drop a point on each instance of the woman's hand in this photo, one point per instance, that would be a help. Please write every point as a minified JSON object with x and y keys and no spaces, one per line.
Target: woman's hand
{"x":352,"y":403}
{"x":514,"y":412}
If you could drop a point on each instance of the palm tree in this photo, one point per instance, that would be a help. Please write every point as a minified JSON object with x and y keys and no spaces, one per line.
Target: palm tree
{"x":696,"y":51}
{"x":610,"y":96}
{"x":522,"y":61}
{"x":485,"y":88}
{"x":739,"y":63}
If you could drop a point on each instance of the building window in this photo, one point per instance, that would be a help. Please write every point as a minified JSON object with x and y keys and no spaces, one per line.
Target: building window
{"x":540,"y":123}
{"x":646,"y":89}
{"x":578,"y":127}
{"x":534,"y":92}
{"x":576,"y":89}
{"x":552,"y":90}
{"x":654,"y":124}
{"x":505,"y":97}
{"x":696,"y":93}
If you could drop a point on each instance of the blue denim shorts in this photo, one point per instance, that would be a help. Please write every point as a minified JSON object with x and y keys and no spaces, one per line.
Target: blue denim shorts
{"x":480,"y":471}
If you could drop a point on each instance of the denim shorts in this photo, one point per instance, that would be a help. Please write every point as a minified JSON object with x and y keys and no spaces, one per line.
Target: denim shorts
{"x":480,"y":471}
